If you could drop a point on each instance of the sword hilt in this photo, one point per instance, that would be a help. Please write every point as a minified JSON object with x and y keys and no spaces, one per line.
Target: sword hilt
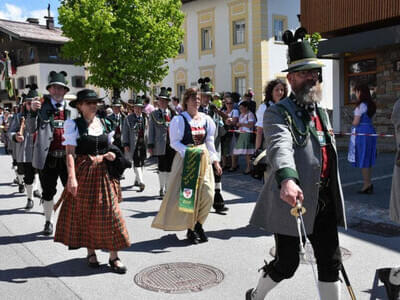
{"x":298,"y":210}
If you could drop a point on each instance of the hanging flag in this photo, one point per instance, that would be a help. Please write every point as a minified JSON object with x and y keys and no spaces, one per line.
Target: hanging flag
{"x":8,"y":75}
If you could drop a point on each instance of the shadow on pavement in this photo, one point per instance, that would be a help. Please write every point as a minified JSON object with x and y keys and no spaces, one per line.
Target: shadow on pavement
{"x":16,"y":211}
{"x":69,"y":268}
{"x":377,"y":292}
{"x":139,"y":198}
{"x":12,"y":195}
{"x":158,"y":245}
{"x":23,"y":238}
{"x":142,"y":214}
{"x":246,"y":231}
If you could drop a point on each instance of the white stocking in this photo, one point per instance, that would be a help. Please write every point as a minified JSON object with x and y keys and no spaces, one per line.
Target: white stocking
{"x":48,"y":209}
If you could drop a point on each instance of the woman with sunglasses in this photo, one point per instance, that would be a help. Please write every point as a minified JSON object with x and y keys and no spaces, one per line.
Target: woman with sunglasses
{"x":228,"y":141}
{"x":90,"y":216}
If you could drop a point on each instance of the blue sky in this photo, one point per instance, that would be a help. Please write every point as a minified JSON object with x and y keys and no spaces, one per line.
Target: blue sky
{"x":19,"y":10}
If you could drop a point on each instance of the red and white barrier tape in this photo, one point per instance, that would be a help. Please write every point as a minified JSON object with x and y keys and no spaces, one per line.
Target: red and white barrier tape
{"x":336,"y":133}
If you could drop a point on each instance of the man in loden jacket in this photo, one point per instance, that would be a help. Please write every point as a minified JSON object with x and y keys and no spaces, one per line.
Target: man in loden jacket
{"x":48,"y":117}
{"x":302,"y":166}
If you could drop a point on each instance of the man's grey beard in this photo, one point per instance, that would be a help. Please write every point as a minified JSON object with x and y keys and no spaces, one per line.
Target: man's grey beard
{"x":309,"y":94}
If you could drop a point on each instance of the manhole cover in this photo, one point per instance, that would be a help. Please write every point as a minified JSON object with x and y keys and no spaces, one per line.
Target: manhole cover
{"x":181,"y":277}
{"x":308,"y":256}
{"x":381,"y":229}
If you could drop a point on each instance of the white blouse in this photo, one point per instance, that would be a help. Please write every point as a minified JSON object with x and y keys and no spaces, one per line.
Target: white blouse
{"x":362,"y":108}
{"x":177,"y":130}
{"x":246,"y":119}
{"x":71,"y":132}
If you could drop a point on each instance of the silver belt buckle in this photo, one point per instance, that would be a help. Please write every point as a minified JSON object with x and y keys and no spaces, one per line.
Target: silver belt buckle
{"x":57,"y":153}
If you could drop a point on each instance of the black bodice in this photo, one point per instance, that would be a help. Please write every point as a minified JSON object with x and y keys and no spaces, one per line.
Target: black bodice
{"x":189,"y":138}
{"x":92,"y":145}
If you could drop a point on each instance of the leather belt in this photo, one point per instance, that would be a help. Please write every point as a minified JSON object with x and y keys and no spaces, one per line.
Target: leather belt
{"x":57,"y":153}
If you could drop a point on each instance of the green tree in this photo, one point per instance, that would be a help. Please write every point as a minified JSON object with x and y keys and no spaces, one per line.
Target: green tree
{"x":125,"y":43}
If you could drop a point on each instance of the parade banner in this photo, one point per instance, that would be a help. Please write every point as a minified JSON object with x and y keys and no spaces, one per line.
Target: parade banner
{"x":190,"y":179}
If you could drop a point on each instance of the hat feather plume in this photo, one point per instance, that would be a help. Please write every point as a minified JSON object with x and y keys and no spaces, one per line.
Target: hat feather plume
{"x":287,"y":37}
{"x":300,"y":33}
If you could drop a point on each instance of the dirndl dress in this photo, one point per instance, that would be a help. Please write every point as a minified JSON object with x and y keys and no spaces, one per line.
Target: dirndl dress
{"x":245,"y":143}
{"x":362,"y":148}
{"x":93,"y":218}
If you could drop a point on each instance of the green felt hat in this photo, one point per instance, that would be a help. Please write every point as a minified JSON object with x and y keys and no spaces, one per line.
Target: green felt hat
{"x":300,"y":53}
{"x":32,"y":94}
{"x":58,"y":79}
{"x":165,"y":93}
{"x":139,"y":102}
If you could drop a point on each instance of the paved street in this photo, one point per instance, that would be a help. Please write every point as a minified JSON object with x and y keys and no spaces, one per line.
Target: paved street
{"x":33,"y":266}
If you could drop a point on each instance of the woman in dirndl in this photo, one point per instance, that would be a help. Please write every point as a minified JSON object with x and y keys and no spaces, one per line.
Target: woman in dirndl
{"x":90,"y":215}
{"x":362,"y":148}
{"x":186,"y":204}
{"x":228,"y":141}
{"x":245,"y":142}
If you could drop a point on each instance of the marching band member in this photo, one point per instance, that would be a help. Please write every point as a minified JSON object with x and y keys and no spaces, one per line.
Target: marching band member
{"x":188,"y":200}
{"x":48,"y":118}
{"x":159,"y":139}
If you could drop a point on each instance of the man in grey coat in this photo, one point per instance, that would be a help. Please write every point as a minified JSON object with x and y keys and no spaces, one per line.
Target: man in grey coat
{"x":302,"y":168}
{"x":48,"y":116}
{"x":24,"y":138}
{"x":158,"y":139}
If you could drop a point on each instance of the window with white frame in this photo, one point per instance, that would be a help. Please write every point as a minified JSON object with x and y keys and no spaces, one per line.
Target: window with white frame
{"x":78,"y":81}
{"x":240,"y":85}
{"x":239,"y":32}
{"x":21,"y":82}
{"x":206,"y":38}
{"x":181,"y":49}
{"x":279,"y":26}
{"x":180,"y":90}
{"x":32,"y":79}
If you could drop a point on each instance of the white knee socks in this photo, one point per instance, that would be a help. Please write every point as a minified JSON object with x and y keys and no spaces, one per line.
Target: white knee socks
{"x":29,"y":191}
{"x":161,"y":177}
{"x":139,"y":174}
{"x":48,"y":209}
{"x":20,"y":179}
{"x":264,"y":286}
{"x":36,"y":182}
{"x":329,"y":290}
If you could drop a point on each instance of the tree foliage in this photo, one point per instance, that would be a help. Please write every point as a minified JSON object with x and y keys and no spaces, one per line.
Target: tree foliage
{"x":125,"y":43}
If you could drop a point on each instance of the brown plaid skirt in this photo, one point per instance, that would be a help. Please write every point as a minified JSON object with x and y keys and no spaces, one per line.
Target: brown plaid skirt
{"x":93,"y":218}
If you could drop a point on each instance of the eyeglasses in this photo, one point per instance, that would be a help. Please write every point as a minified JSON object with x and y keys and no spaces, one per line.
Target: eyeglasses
{"x":228,"y":103}
{"x":305,"y":73}
{"x":89,"y":102}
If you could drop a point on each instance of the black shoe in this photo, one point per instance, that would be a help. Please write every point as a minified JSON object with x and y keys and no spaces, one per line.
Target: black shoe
{"x":48,"y":228}
{"x":192,"y":236}
{"x":162,"y":193}
{"x":117,"y":269}
{"x":21,"y":188}
{"x":248,"y":294}
{"x":136,"y":183}
{"x":15,"y":181}
{"x":29,"y":204}
{"x":200,"y":232}
{"x":141,"y":187}
{"x":37,"y":194}
{"x":369,"y":190}
{"x":393,"y":291}
{"x":92,"y":264}
{"x":221,"y":210}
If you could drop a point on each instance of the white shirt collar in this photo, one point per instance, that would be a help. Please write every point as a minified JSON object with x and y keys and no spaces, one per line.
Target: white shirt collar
{"x":54,"y":102}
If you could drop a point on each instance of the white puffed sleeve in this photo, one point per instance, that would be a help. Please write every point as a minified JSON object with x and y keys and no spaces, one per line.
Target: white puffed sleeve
{"x":210,"y":139}
{"x":176,"y":131}
{"x":260,"y":115}
{"x":71,"y":133}
{"x":362,"y":108}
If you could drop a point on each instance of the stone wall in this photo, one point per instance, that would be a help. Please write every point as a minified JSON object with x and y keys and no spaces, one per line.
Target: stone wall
{"x":388,"y":91}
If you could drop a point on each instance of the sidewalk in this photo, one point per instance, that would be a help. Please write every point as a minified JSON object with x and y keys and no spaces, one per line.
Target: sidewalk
{"x":33,"y":266}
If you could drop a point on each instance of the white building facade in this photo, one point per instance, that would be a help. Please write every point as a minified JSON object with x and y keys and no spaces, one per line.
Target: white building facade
{"x":235,"y":43}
